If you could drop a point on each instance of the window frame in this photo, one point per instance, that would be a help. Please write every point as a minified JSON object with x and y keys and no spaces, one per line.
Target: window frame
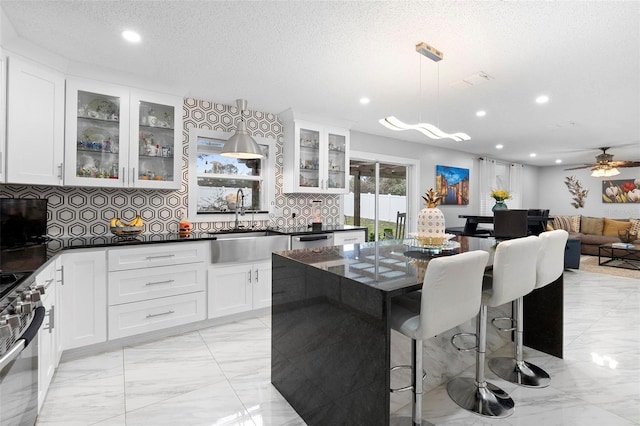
{"x":268,"y":174}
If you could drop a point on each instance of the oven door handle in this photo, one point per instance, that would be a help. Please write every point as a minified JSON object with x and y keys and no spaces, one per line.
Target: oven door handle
{"x":30,"y":333}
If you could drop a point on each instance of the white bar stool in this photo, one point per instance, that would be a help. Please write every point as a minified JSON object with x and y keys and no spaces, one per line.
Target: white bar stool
{"x":514,"y":275}
{"x":450,"y":296}
{"x":550,"y":265}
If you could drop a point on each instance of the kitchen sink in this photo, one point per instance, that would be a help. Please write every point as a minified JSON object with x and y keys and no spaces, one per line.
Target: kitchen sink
{"x":247,"y":246}
{"x":224,"y":235}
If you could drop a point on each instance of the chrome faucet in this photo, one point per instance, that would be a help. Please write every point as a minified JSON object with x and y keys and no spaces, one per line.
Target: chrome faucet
{"x":239,"y":206}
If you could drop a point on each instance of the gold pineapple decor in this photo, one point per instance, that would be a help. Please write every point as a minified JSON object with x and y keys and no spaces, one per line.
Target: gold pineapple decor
{"x":431,"y":221}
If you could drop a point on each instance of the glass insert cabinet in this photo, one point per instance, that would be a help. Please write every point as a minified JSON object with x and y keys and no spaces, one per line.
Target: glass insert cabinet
{"x":317,"y":159}
{"x":119,"y":137}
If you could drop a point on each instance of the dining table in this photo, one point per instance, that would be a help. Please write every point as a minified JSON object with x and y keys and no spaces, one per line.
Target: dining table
{"x":331,"y":335}
{"x":473,"y":220}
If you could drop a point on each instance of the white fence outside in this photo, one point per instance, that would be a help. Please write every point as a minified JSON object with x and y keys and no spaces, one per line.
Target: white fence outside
{"x":390,"y":205}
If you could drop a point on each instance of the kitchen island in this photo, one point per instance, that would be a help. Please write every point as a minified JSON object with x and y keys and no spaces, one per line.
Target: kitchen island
{"x":331,"y":339}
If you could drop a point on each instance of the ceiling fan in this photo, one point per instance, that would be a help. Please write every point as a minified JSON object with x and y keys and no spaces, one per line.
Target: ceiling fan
{"x":605,"y":166}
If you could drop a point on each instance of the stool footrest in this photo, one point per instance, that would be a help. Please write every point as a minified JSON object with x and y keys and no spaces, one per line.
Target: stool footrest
{"x":462,"y":348}
{"x":404,"y":388}
{"x":511,"y":320}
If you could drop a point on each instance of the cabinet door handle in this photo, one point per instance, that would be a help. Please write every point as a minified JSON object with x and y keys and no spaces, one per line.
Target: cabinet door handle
{"x":160,"y":282}
{"x":351,"y":239}
{"x":60,"y":172}
{"x":257,"y":276}
{"x":250,"y":276}
{"x":51,"y":324}
{"x":133,"y":179}
{"x":160,"y":314}
{"x":124,"y":176}
{"x":160,"y":257}
{"x":61,"y":281}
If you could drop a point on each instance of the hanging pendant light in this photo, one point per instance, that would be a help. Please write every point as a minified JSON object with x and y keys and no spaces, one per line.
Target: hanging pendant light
{"x":426,"y":129}
{"x":241,"y":144}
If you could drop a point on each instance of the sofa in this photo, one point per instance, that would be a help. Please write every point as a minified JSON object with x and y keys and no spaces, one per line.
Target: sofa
{"x":594,"y":231}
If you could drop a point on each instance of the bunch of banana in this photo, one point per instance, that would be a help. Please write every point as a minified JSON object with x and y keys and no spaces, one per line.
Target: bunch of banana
{"x":118,"y":223}
{"x":137,"y":222}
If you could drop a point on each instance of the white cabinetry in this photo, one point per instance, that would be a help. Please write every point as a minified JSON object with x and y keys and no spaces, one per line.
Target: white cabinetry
{"x":316,"y":158}
{"x":120,"y":137}
{"x":348,"y":237}
{"x":48,"y":336}
{"x":236,"y":288}
{"x":83,"y":296}
{"x":144,"y":296}
{"x":35,"y":124}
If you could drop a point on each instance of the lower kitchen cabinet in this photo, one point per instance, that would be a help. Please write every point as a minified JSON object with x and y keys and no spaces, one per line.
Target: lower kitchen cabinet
{"x":83,"y":296}
{"x":349,"y":237}
{"x":144,"y":296}
{"x":237,"y":288}
{"x":150,"y":315}
{"x":48,"y":336}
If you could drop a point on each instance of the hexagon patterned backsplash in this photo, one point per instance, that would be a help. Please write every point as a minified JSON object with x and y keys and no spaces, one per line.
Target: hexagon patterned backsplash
{"x":79,"y":211}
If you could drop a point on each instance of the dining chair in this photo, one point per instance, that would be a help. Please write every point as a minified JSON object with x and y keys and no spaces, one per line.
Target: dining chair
{"x":510,"y":223}
{"x":401,"y":219}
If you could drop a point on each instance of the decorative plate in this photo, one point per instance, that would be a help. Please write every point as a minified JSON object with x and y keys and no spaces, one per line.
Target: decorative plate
{"x":102,"y":108}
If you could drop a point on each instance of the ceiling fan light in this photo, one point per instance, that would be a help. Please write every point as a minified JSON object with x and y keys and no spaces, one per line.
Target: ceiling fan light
{"x":597,"y":173}
{"x":611,"y":172}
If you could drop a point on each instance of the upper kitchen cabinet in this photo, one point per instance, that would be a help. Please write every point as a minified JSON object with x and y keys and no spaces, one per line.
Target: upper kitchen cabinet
{"x":316,"y":158}
{"x":35,"y":124}
{"x":118,"y":137}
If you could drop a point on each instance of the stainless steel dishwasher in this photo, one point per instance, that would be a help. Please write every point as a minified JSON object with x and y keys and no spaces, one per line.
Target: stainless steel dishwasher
{"x":318,"y":239}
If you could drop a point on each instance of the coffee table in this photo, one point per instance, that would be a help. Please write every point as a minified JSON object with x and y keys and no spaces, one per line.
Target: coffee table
{"x":627,"y":256}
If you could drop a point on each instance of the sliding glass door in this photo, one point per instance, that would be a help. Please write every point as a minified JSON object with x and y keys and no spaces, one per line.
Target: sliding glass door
{"x":377,"y":198}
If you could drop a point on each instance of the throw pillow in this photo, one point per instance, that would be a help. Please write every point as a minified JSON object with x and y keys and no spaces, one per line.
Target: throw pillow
{"x":635,"y":226}
{"x":611,"y":227}
{"x":568,"y":223}
{"x":549,"y":227}
{"x":592,"y":225}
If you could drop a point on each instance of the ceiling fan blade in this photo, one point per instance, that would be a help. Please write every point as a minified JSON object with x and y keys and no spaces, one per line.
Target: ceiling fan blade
{"x":625,"y":163}
{"x":582,"y":167}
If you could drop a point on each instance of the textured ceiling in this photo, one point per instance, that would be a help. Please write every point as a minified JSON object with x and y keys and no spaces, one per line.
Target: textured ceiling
{"x":320,"y":58}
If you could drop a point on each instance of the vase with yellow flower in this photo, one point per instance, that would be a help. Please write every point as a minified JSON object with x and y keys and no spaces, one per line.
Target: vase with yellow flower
{"x":500,"y":195}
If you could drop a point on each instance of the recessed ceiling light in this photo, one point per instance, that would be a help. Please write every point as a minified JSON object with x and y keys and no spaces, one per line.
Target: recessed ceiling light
{"x":533,"y":154}
{"x":499,"y":146}
{"x":542,"y":99}
{"x":558,"y":161}
{"x":131,"y":36}
{"x":364,"y":101}
{"x":481,"y":113}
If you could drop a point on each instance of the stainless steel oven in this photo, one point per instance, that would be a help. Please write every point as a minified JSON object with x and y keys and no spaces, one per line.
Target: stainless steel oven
{"x":19,"y":364}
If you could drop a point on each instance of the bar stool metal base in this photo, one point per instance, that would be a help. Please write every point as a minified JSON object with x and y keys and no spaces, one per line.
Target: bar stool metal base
{"x":488,"y":400}
{"x":407,"y":421}
{"x":522,"y":373}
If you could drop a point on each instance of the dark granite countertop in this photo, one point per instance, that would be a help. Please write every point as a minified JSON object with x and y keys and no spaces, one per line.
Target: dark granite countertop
{"x":55,"y":245}
{"x":385,"y":265}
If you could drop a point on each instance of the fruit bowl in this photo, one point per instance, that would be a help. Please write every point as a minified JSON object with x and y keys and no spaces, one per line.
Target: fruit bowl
{"x":126,"y":231}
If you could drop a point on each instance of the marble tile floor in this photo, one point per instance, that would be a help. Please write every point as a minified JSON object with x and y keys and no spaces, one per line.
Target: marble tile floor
{"x":220,"y":375}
